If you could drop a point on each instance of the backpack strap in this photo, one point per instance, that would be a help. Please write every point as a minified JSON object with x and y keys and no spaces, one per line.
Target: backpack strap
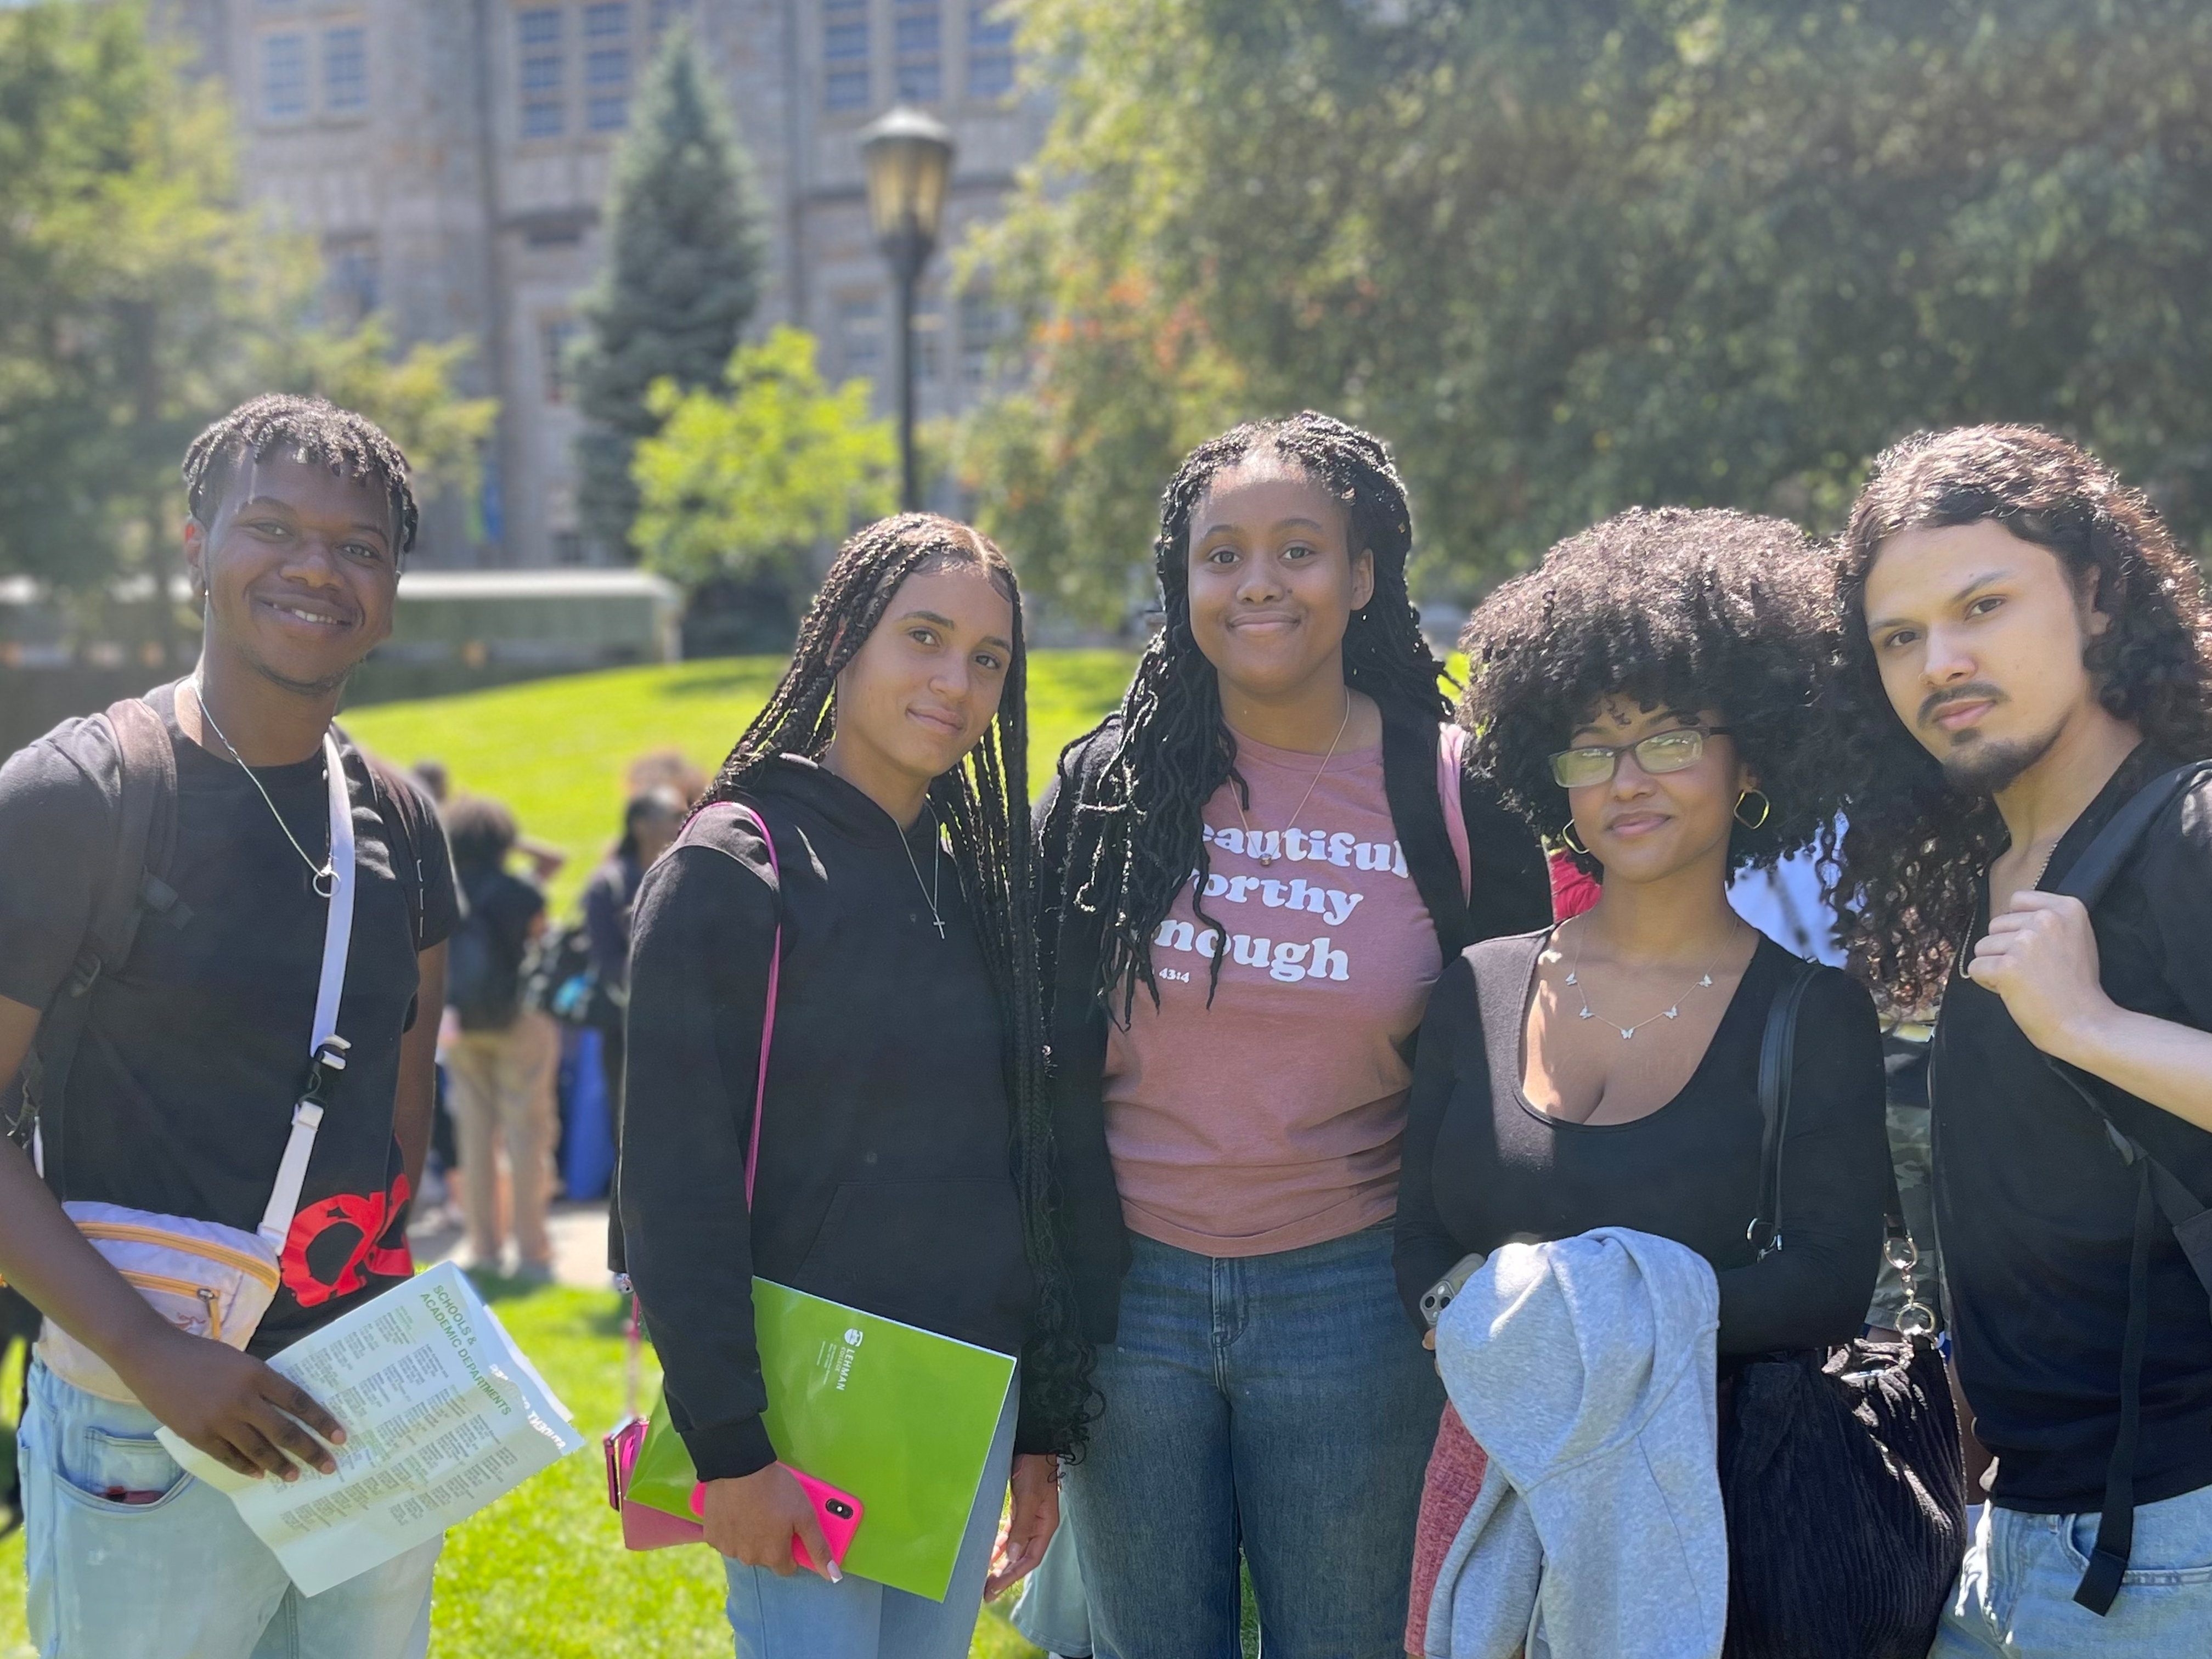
{"x":384,"y":789}
{"x":1451,"y":759}
{"x":134,"y":885}
{"x":2158,"y":1191}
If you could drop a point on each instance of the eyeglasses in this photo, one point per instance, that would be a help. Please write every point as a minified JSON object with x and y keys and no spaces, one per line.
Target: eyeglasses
{"x":1662,"y":751}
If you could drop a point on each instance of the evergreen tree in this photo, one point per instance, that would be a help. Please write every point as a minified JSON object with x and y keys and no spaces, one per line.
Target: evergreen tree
{"x":686,"y":253}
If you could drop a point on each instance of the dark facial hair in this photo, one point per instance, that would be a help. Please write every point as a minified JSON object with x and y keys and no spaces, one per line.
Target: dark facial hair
{"x":1984,"y":768}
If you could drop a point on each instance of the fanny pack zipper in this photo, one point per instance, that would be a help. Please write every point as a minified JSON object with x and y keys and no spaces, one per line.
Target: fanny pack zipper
{"x":185,"y":1244}
{"x":184,"y":1287}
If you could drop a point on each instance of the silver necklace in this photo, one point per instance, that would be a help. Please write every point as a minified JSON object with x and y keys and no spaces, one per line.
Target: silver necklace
{"x":1703,"y":982}
{"x":1267,"y":859}
{"x":325,"y":875}
{"x":936,"y":869}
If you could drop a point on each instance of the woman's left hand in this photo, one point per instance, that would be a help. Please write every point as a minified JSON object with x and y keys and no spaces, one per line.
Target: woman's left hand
{"x":1031,"y":1520}
{"x":2040,"y":956}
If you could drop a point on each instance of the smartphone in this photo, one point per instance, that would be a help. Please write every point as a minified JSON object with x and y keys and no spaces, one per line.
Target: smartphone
{"x":837,"y":1513}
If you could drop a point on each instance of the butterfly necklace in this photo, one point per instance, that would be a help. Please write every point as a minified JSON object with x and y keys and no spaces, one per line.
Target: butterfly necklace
{"x":1703,"y":982}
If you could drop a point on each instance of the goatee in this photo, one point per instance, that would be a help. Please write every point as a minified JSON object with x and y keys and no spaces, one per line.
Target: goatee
{"x":1983,"y":767}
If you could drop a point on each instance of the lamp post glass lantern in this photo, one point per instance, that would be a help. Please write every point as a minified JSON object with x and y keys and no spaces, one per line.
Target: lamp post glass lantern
{"x":907,"y":154}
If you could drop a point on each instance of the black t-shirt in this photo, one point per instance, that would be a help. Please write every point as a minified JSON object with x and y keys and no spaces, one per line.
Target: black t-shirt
{"x":1483,"y":1165}
{"x":194,"y":1049}
{"x":2036,"y":1212}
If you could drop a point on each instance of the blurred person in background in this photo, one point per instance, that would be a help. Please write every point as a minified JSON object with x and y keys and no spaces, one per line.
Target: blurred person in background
{"x":650,"y":823}
{"x":500,"y":1066}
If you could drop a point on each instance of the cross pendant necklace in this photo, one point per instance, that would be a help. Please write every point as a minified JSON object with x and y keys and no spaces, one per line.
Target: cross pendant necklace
{"x":936,"y":869}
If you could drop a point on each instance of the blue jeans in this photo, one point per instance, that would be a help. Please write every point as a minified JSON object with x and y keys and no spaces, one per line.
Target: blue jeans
{"x":1276,"y":1404}
{"x":807,"y":1617}
{"x":2016,"y":1593}
{"x":182,"y":1577}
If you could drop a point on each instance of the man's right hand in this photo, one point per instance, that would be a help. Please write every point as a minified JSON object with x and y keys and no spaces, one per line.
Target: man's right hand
{"x":751,"y":1518}
{"x":231,"y":1406}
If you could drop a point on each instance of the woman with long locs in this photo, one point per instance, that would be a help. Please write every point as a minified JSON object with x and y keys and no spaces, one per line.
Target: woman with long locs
{"x":1249,"y":885}
{"x":904,"y":1161}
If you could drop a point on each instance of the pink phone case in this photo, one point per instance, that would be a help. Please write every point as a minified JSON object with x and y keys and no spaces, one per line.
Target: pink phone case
{"x":837,"y":1513}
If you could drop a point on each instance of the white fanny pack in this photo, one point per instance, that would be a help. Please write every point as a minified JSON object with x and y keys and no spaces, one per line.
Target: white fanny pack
{"x":202,"y":1276}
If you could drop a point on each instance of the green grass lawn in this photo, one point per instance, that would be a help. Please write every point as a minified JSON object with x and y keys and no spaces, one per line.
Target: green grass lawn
{"x":555,"y":750}
{"x":542,"y":1574}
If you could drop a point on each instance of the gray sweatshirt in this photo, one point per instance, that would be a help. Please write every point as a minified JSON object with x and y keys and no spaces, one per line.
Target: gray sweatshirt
{"x":1584,"y":1369}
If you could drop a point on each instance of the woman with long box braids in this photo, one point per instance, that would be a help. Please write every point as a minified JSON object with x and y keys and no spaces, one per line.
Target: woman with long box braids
{"x":1248,"y":887}
{"x":905,"y":1151}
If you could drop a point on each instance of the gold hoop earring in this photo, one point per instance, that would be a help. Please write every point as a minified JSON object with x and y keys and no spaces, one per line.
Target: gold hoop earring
{"x":1765,"y":809}
{"x":1567,"y":840}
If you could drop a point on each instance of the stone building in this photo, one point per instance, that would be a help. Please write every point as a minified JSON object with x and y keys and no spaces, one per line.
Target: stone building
{"x":452,"y":157}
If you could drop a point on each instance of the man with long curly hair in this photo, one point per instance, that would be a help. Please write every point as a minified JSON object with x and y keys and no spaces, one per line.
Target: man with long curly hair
{"x":2026,"y":649}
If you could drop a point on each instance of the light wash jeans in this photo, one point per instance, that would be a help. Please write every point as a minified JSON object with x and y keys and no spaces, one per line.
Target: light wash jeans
{"x":1279,"y":1405}
{"x":807,"y":1617}
{"x":2016,"y":1593}
{"x":181,"y":1577}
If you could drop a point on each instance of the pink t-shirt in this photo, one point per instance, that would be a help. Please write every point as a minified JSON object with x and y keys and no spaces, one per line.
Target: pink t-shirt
{"x":1273,"y":1120}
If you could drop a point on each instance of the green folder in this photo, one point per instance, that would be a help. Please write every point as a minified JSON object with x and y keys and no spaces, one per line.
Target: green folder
{"x":901,"y":1418}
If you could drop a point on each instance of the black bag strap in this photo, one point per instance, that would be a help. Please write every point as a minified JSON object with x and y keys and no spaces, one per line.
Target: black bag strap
{"x":2158,"y":1190}
{"x":134,"y":885}
{"x":1778,"y":1055}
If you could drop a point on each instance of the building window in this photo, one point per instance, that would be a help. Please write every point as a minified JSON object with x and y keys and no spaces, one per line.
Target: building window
{"x":345,"y":70}
{"x":349,"y":278}
{"x":845,"y":54}
{"x":607,"y":21}
{"x":607,"y":113}
{"x":543,"y":71}
{"x":569,"y":548}
{"x":860,"y":336}
{"x":557,"y":338}
{"x":915,"y":27}
{"x":666,"y":12}
{"x":283,"y":76}
{"x":990,"y":50}
{"x":983,"y":327}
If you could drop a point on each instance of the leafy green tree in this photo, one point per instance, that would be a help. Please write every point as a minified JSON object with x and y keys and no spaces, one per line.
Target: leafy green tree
{"x":1570,"y":257}
{"x":685,"y":251}
{"x":412,"y":394}
{"x":750,"y":482}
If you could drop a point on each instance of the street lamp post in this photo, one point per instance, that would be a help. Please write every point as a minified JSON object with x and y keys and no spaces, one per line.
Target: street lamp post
{"x":909,"y":157}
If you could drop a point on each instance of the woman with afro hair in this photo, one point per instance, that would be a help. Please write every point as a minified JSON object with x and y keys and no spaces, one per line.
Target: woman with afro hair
{"x":1647,"y":698}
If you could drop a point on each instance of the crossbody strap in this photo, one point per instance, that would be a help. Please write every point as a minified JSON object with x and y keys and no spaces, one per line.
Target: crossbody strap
{"x":326,"y":1050}
{"x":767,"y":1015}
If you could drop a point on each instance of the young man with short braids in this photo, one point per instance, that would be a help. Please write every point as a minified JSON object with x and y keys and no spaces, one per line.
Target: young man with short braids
{"x":169,"y":1082}
{"x":2026,"y":652}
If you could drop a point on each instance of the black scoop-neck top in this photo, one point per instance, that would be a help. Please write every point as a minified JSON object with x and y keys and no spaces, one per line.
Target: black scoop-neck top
{"x":1483,"y":1166}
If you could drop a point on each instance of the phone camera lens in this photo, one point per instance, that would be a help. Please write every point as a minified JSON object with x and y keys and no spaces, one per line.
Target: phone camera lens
{"x":842,"y":1511}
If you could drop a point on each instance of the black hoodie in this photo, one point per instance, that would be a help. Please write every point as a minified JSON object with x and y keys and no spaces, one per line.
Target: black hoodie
{"x":885,"y":1177}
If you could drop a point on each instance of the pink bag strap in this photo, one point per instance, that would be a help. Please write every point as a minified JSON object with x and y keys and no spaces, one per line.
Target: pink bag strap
{"x":1451,"y":756}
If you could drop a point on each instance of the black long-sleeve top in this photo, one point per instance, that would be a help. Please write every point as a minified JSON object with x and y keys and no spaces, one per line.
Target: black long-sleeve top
{"x":884,"y":1179}
{"x":1483,"y":1166}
